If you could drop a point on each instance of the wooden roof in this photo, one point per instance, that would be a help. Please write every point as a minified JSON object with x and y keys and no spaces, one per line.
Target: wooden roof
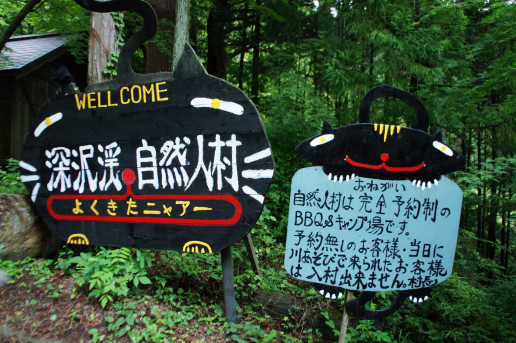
{"x":29,"y":52}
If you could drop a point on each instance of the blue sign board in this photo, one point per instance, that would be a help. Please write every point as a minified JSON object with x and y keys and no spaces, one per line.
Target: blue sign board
{"x":368,"y":234}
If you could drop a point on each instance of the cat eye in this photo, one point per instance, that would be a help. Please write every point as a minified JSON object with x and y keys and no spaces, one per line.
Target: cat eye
{"x":443,"y":148}
{"x":322,"y":139}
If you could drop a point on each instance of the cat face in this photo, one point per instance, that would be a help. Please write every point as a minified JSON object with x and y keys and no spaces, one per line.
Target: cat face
{"x":380,"y":151}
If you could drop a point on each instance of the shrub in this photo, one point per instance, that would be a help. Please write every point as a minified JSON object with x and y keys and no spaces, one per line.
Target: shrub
{"x":109,"y":272}
{"x":10,"y":182}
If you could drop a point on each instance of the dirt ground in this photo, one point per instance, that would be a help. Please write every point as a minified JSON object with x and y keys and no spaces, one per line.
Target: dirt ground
{"x":30,"y":311}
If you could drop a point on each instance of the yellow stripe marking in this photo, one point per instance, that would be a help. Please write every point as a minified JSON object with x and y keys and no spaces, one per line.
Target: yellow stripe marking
{"x":194,"y":246}
{"x":78,"y":238}
{"x":386,"y":133}
{"x":198,"y":208}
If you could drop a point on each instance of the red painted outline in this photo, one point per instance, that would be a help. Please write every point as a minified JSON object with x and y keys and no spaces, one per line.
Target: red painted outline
{"x":384,"y":166}
{"x":151,"y":220}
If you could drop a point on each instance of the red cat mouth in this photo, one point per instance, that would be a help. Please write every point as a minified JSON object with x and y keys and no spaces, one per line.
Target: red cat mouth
{"x":384,"y":166}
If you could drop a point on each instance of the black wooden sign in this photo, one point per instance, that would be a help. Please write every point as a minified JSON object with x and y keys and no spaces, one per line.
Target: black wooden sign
{"x":180,"y":163}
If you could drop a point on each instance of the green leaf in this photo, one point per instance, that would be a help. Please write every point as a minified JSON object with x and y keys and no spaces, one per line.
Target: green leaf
{"x":145,"y":280}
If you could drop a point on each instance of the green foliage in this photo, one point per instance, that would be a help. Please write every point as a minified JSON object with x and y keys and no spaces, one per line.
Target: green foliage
{"x":158,"y":324}
{"x":365,"y":331}
{"x":16,"y":269}
{"x":10,"y":182}
{"x":457,"y":311}
{"x":292,"y":112}
{"x":108,"y":273}
{"x":111,"y":67}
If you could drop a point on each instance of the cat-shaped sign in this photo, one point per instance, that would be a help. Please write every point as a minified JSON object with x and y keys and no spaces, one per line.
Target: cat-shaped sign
{"x":164,"y":161}
{"x":378,"y":214}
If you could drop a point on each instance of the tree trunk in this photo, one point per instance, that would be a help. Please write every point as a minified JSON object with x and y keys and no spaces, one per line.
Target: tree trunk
{"x":503,"y":230}
{"x":255,"y":72}
{"x":493,"y":206}
{"x":480,"y":222}
{"x":279,"y":306}
{"x":508,"y":236}
{"x":217,"y":20}
{"x":17,"y":20}
{"x":243,"y":47}
{"x":104,"y":40}
{"x":166,"y":49}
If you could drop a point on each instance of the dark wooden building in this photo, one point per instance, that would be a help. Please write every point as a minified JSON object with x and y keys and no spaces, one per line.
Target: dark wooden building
{"x":26,"y":67}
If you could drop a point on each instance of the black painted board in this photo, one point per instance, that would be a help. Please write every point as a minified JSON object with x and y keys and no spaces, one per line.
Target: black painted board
{"x":182,"y":165}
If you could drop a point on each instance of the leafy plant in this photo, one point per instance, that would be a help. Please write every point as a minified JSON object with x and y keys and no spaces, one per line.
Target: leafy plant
{"x":365,"y":331}
{"x":41,"y":269}
{"x":10,"y":181}
{"x":109,"y":272}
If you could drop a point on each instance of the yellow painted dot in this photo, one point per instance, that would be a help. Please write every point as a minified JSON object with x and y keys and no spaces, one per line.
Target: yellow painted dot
{"x":443,"y":148}
{"x":48,"y":121}
{"x":215,"y":103}
{"x":323,"y":139}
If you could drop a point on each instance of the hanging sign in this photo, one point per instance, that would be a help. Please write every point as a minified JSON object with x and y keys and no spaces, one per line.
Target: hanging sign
{"x":378,"y":215}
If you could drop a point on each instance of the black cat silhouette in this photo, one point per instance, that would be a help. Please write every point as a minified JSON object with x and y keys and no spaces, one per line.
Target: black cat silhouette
{"x":380,"y":151}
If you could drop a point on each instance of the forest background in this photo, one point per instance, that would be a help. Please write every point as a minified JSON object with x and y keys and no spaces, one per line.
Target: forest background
{"x":303,"y":62}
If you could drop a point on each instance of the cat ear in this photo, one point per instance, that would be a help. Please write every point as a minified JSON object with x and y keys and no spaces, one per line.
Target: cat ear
{"x":326,"y":128}
{"x":438,"y":136}
{"x":189,"y":64}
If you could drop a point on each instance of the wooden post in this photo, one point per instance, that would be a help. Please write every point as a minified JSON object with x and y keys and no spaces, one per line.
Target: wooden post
{"x":345,"y":319}
{"x":229,"y":286}
{"x":252,"y":255}
{"x":103,"y":42}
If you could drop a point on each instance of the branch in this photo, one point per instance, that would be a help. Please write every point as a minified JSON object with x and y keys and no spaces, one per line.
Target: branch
{"x":17,"y":20}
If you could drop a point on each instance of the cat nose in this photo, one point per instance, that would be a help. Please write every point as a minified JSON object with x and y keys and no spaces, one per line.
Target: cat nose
{"x":384,"y":157}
